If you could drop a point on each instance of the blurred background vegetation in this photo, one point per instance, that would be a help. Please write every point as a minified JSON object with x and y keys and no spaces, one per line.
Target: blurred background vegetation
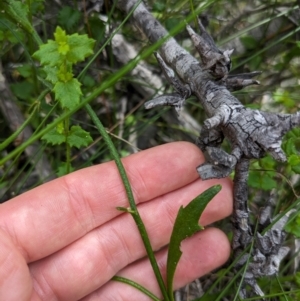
{"x":265,"y":36}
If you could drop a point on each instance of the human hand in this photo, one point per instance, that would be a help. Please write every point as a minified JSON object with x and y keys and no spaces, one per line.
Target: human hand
{"x":65,"y":240}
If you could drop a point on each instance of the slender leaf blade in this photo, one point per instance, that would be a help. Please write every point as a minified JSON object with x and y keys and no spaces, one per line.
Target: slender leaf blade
{"x":186,"y":224}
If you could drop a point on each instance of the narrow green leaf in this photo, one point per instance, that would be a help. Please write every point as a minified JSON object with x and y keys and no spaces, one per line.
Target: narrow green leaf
{"x":79,"y":137}
{"x":68,"y":93}
{"x":17,"y":11}
{"x":186,"y":224}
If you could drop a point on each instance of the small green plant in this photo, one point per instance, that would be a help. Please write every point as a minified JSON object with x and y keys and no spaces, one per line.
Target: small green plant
{"x":58,"y":57}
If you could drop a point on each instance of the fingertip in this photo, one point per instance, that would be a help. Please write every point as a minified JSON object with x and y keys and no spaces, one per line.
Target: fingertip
{"x":201,"y":254}
{"x":172,"y":165}
{"x":221,"y":205}
{"x":15,"y":278}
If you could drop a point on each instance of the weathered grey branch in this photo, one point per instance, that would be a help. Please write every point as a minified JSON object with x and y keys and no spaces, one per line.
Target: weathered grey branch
{"x":251,"y":133}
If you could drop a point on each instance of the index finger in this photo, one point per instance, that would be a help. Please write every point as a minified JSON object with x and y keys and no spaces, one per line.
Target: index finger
{"x":55,"y":214}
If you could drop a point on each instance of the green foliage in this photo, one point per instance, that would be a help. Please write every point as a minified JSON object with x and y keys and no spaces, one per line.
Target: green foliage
{"x":23,"y":90}
{"x":78,"y":137}
{"x":260,"y":176}
{"x":261,"y":180}
{"x":249,"y":42}
{"x":17,"y":10}
{"x":58,"y":57}
{"x":283,"y":97}
{"x":68,"y":93}
{"x":97,"y":27}
{"x":291,"y":146}
{"x":65,"y":48}
{"x":293,"y":226}
{"x":63,"y":57}
{"x":9,"y":32}
{"x":186,"y":224}
{"x":64,"y":169}
{"x":68,"y":18}
{"x":55,"y":136}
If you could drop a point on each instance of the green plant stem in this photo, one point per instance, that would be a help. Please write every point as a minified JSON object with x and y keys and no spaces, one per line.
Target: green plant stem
{"x":105,"y":85}
{"x":272,"y":295}
{"x":135,"y":214}
{"x":266,"y":48}
{"x":137,"y":286}
{"x":13,"y":12}
{"x":257,"y":24}
{"x":11,"y":138}
{"x":107,"y":41}
{"x":279,"y":283}
{"x":224,"y":290}
{"x":68,"y":148}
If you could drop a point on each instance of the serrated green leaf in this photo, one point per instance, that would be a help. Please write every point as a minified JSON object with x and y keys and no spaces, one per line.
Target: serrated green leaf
{"x":61,"y":39}
{"x":68,"y":93}
{"x":48,"y":54}
{"x":25,"y":70}
{"x":97,"y":28}
{"x":23,"y":90}
{"x":79,"y":137}
{"x":289,"y":147}
{"x":64,"y":73}
{"x":294,"y":160}
{"x":293,"y":226}
{"x":60,"y":36}
{"x":64,"y":169}
{"x":261,"y":180}
{"x":54,"y":137}
{"x":267,"y":162}
{"x":51,"y":73}
{"x":296,"y":168}
{"x":186,"y":224}
{"x":68,"y":17}
{"x":81,"y":46}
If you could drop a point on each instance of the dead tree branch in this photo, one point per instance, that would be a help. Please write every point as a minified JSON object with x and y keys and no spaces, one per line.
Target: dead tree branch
{"x":251,"y":133}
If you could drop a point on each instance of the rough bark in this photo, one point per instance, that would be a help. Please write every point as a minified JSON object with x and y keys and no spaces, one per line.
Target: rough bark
{"x":251,"y":133}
